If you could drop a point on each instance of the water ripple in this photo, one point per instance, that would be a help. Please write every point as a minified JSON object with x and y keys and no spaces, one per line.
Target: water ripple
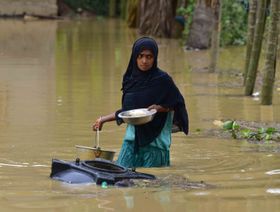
{"x":273,"y":172}
{"x":273,"y":190}
{"x":10,"y":163}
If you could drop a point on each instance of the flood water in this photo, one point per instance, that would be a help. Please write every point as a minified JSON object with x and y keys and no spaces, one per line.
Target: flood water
{"x":57,"y":77}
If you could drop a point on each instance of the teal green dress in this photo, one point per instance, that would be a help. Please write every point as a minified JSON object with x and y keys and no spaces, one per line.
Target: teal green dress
{"x":155,"y":154}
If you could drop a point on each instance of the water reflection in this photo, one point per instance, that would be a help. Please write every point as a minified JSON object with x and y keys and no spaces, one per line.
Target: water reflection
{"x":56,"y":77}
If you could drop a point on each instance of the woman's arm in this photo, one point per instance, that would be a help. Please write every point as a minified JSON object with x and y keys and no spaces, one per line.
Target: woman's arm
{"x":101,"y":120}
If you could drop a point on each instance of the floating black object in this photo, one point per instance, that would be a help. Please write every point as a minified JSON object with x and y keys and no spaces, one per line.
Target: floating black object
{"x":93,"y":171}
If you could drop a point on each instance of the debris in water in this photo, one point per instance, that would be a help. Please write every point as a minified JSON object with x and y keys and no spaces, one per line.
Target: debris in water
{"x":174,"y":181}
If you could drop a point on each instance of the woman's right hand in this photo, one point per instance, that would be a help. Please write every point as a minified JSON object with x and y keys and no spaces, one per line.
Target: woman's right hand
{"x":98,"y":124}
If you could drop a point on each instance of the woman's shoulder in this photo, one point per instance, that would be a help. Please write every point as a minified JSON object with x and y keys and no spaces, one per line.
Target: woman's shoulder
{"x":163,"y":74}
{"x":163,"y":79}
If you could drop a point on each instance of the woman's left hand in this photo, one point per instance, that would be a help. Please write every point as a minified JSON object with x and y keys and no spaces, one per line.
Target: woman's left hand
{"x":158,"y":108}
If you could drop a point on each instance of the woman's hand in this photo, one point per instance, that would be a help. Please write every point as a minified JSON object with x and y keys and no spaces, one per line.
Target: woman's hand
{"x":100,"y":121}
{"x":158,"y":108}
{"x":98,"y":124}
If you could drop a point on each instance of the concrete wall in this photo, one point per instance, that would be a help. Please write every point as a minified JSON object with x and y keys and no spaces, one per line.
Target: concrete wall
{"x":29,"y":7}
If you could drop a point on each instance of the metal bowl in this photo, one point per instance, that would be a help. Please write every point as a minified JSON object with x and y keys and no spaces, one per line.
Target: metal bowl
{"x":91,"y":153}
{"x":138,"y":116}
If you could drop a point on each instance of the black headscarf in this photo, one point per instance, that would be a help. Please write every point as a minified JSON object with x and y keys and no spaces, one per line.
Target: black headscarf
{"x":141,"y":89}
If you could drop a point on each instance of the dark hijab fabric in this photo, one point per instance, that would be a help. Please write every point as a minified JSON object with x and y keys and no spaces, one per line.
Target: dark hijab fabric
{"x":141,"y":89}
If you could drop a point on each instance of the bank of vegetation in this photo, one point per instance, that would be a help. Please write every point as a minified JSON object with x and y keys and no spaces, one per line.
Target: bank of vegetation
{"x":203,"y":24}
{"x":251,"y":131}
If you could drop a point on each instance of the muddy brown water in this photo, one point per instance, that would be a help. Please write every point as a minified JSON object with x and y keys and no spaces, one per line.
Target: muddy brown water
{"x":57,"y":77}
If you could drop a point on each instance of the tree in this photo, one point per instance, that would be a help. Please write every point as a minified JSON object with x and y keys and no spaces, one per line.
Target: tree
{"x":250,"y":34}
{"x":256,"y":49}
{"x":157,"y":17}
{"x":132,"y":12}
{"x":112,"y":8}
{"x":271,"y":53}
{"x":123,"y":9}
{"x":201,"y":26}
{"x":215,"y":39}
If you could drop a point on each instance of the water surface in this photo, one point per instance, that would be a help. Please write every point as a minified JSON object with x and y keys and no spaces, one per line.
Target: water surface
{"x":57,"y":77}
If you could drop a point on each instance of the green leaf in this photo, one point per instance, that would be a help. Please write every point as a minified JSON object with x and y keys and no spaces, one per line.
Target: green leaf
{"x":235,"y":126}
{"x":228,"y":125}
{"x":268,"y":137}
{"x":261,"y":130}
{"x":271,"y":130}
{"x":246,"y":133}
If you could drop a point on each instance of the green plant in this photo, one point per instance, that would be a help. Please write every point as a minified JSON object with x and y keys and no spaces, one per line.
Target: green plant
{"x":234,"y":23}
{"x":259,"y":134}
{"x":187,"y":13}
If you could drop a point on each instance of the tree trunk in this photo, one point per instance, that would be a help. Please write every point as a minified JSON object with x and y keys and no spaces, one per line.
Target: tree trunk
{"x":112,"y":8}
{"x":157,"y":17}
{"x":132,"y":12}
{"x":256,"y":50}
{"x":182,"y":3}
{"x":271,"y":54}
{"x":250,"y":34}
{"x":215,"y":39}
{"x":201,"y":27}
{"x":124,"y":9}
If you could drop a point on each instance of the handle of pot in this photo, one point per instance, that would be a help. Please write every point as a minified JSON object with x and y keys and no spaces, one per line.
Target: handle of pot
{"x":97,"y":138}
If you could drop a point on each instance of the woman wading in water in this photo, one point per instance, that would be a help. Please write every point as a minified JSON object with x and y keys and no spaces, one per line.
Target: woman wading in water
{"x":144,"y":85}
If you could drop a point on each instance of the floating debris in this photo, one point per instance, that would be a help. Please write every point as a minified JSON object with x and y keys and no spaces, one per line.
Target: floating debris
{"x":173,"y":181}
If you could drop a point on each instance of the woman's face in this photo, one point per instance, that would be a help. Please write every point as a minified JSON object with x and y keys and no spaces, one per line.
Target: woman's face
{"x":145,"y":60}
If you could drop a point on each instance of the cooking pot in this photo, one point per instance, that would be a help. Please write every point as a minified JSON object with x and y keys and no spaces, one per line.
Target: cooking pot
{"x":91,"y":153}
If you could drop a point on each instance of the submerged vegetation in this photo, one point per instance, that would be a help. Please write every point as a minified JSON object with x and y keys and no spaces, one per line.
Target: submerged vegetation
{"x":172,"y":181}
{"x":250,"y":132}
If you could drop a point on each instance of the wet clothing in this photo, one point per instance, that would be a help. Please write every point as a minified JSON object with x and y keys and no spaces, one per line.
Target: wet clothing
{"x":142,"y":89}
{"x":155,"y":154}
